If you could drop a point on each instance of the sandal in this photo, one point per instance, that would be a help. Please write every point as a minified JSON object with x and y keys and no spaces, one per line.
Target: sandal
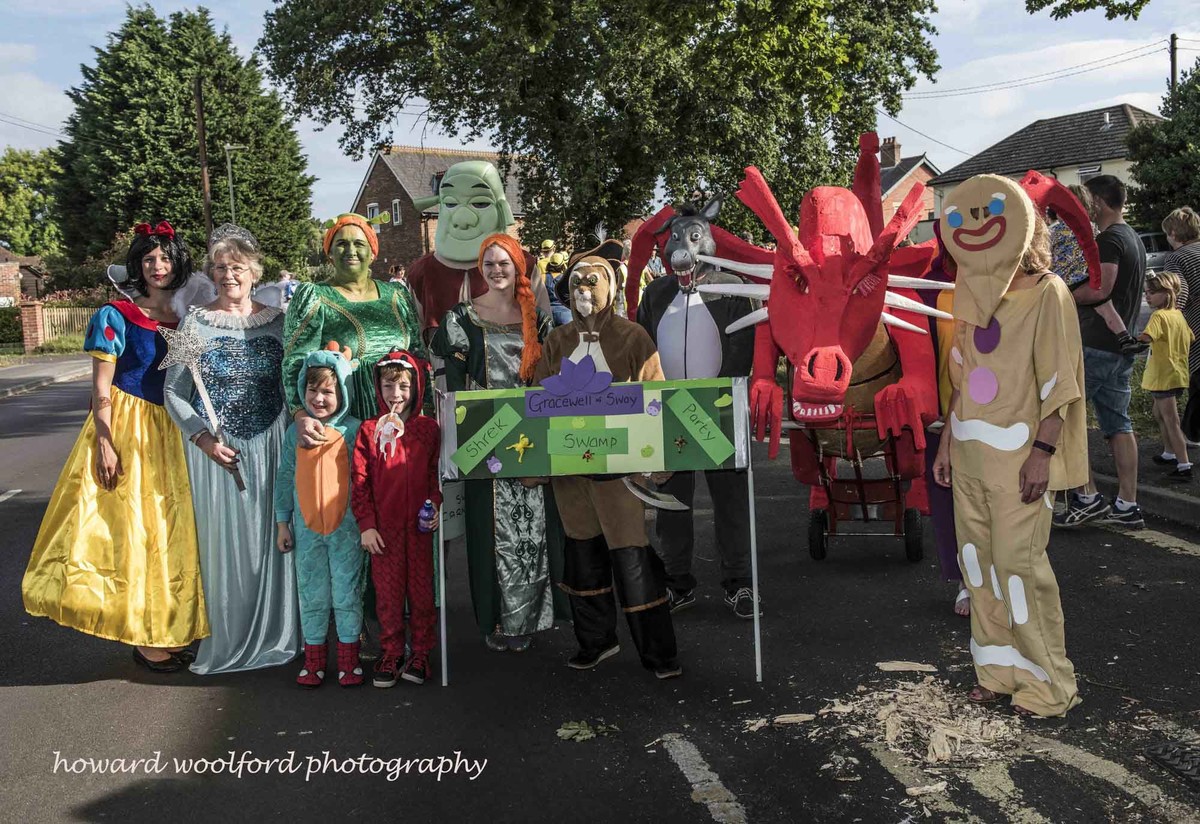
{"x":983,"y":695}
{"x":963,"y":595}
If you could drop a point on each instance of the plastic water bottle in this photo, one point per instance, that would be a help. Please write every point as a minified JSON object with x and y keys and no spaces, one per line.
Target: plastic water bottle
{"x":427,"y":517}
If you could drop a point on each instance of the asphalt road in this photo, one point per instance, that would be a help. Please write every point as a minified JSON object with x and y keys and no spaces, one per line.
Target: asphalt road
{"x":680,"y":751}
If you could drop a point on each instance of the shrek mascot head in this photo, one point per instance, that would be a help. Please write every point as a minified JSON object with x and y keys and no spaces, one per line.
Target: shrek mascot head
{"x":351,"y":245}
{"x":471,"y":205}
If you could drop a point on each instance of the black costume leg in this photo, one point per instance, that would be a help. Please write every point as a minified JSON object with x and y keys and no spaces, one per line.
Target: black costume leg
{"x":588,"y":580}
{"x":729,"y":491}
{"x":641,"y":585}
{"x":676,"y":538}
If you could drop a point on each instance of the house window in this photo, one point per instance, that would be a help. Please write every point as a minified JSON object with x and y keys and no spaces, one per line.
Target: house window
{"x":395,"y":212}
{"x":1086,"y":173}
{"x":373,"y":212}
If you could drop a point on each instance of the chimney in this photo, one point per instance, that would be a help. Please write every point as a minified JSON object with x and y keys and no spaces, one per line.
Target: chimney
{"x":1107,"y":122}
{"x":889,"y":152}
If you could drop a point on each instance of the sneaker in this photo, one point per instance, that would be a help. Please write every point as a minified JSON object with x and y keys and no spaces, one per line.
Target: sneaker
{"x":678,"y":601}
{"x":1131,"y":518}
{"x":666,"y":671}
{"x":1078,"y":513}
{"x":417,"y":668}
{"x":1163,"y":460}
{"x":387,"y":671}
{"x":585,"y":659}
{"x":1178,"y":474}
{"x":742,"y":602}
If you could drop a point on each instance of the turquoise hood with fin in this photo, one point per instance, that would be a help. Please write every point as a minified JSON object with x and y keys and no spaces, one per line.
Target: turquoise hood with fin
{"x":342,"y":368}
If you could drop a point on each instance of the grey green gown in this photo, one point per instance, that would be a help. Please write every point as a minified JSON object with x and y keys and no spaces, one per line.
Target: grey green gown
{"x":511,"y":550}
{"x":250,"y":587}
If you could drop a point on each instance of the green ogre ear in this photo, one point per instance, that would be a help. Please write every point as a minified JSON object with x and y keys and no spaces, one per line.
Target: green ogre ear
{"x":427,"y":202}
{"x":382,"y":217}
{"x":327,"y":225}
{"x":506,"y":215}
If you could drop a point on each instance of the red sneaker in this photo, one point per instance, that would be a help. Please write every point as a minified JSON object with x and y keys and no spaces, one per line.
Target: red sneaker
{"x":350,"y":671}
{"x":313,"y":672}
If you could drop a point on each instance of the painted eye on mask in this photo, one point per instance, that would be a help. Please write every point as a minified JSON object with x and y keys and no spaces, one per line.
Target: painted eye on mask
{"x":996,"y":205}
{"x":481,"y":203}
{"x":954,"y":218}
{"x":450,"y":203}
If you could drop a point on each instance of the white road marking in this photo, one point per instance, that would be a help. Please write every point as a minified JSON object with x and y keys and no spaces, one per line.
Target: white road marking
{"x":1150,"y":795}
{"x":707,"y":788}
{"x":994,"y":783}
{"x":1161,"y":540}
{"x":912,"y":777}
{"x":4,"y":496}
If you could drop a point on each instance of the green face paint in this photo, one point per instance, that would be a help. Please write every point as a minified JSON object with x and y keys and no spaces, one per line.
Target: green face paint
{"x":471,"y":206}
{"x":351,"y":254}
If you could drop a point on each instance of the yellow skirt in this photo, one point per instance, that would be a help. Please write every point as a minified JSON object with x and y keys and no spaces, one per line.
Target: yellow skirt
{"x":122,"y":565}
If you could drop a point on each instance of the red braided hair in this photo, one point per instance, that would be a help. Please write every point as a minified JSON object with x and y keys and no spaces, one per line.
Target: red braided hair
{"x":532,"y":351}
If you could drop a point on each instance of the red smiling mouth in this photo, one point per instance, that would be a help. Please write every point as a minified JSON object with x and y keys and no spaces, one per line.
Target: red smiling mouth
{"x":992,"y":230}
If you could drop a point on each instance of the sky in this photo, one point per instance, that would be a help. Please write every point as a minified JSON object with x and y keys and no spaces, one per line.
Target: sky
{"x":981,"y":43}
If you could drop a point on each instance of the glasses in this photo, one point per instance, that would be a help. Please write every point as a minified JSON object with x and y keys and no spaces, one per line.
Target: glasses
{"x":236,"y":271}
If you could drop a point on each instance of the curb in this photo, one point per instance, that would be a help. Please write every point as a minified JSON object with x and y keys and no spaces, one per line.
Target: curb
{"x":1162,"y":503}
{"x":37,"y":383}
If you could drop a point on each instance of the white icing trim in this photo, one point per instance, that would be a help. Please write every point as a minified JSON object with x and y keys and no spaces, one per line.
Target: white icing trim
{"x":1048,"y":387}
{"x":996,"y":585}
{"x":956,"y":355}
{"x":227,"y":320}
{"x":1006,"y":439}
{"x":1016,"y":598}
{"x":1005,"y":656}
{"x":970,"y":556}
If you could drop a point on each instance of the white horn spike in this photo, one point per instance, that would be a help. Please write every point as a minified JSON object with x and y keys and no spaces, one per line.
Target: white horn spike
{"x":909,"y":305}
{"x":757,"y":316}
{"x":889,"y":320}
{"x":902,"y":282}
{"x":754,"y":270}
{"x":755,"y":291}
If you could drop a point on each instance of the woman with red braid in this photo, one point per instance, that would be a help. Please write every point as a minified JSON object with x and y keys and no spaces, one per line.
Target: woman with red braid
{"x":493,"y":342}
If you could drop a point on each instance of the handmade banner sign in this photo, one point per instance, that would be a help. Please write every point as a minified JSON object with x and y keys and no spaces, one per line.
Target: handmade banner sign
{"x":579,"y":423}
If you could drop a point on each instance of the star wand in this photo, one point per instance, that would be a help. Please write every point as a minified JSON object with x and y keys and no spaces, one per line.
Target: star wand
{"x":184,"y":347}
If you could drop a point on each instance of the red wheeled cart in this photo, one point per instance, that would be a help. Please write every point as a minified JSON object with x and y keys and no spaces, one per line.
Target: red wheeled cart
{"x":850,"y":496}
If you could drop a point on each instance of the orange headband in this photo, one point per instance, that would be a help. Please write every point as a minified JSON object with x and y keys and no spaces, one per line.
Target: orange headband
{"x":352,"y":220}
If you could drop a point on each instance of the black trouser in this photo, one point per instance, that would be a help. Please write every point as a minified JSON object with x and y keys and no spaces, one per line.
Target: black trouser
{"x":731,"y":521}
{"x":590,"y":571}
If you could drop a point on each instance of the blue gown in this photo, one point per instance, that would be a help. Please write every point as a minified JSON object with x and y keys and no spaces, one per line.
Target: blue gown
{"x":249,"y":585}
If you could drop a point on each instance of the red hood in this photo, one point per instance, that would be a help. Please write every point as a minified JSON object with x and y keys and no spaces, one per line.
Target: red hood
{"x":418,"y":393}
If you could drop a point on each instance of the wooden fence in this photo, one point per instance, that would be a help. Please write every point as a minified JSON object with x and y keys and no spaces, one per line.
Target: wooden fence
{"x":61,"y":321}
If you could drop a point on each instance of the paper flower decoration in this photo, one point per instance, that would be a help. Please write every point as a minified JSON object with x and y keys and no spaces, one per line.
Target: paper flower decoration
{"x":653,"y":408}
{"x":577,"y":378}
{"x":494,"y":466}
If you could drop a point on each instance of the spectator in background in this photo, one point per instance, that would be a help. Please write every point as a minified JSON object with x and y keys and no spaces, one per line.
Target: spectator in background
{"x":1107,"y":369}
{"x":1182,"y":228}
{"x":398,"y":274}
{"x":1166,"y":373}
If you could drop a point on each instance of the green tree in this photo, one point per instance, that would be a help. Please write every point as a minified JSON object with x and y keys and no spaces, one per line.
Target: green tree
{"x":1166,"y":155}
{"x":27,"y":220}
{"x":1060,"y":9}
{"x":598,"y":102}
{"x":132,"y":154}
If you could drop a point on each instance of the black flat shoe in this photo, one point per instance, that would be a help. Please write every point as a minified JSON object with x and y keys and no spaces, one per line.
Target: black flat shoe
{"x":187,"y":655}
{"x":172,"y":664}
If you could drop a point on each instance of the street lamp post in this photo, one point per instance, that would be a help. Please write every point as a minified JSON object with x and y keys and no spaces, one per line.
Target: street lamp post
{"x":230,"y":148}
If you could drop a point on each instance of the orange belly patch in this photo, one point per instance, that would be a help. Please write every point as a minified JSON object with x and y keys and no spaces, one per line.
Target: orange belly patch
{"x":323,"y":483}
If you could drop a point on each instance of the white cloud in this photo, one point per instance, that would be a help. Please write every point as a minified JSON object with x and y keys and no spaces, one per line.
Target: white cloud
{"x":17,"y":54}
{"x":39,"y":106}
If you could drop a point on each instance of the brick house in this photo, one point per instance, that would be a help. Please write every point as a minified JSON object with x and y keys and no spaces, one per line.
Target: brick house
{"x":897,"y":176}
{"x":20,"y":275}
{"x":398,"y":174}
{"x":1073,"y":148}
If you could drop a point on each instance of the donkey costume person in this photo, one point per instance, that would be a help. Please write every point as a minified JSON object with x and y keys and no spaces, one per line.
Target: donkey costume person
{"x":690,"y":330}
{"x":605,"y":523}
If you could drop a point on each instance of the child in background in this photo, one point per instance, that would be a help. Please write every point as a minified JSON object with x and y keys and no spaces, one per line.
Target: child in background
{"x":1068,"y":262}
{"x":1166,"y":375}
{"x":329,"y":557}
{"x":395,"y":473}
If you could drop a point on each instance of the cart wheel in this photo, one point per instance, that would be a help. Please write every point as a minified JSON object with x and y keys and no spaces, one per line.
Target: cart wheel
{"x":914,"y":531}
{"x":817,"y":523}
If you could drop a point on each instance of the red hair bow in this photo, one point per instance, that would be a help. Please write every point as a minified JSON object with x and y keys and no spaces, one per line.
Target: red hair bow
{"x":163,"y":229}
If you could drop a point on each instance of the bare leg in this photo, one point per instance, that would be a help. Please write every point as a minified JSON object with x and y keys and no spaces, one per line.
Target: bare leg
{"x":1124,"y":451}
{"x":1166,"y":410}
{"x":1162,"y":427}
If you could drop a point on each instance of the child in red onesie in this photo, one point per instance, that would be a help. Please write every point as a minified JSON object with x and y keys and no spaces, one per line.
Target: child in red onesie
{"x":395,"y":472}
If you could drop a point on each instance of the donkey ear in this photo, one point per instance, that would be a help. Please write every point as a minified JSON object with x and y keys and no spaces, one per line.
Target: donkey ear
{"x":711,"y":209}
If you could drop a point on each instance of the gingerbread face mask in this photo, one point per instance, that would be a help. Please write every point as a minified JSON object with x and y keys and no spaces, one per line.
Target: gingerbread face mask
{"x":987,"y":225}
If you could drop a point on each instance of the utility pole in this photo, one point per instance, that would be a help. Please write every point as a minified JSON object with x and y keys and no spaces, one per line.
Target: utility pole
{"x":229,"y":150}
{"x":1174,"y":61}
{"x":204,"y":184}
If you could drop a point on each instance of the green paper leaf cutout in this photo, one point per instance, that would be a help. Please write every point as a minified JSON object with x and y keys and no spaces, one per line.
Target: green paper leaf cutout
{"x":723,"y":401}
{"x":460,"y":414}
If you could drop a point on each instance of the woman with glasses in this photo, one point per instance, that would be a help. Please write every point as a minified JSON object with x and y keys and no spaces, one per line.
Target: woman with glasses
{"x":249,"y":586}
{"x":493,"y":342}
